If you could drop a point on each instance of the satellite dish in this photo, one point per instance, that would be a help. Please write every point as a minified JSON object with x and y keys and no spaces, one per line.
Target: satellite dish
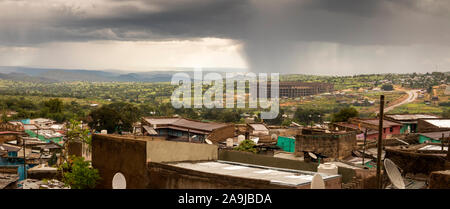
{"x":394,"y":174}
{"x":312,"y":155}
{"x":208,"y":141}
{"x":119,"y":181}
{"x":274,"y":137}
{"x":317,"y":182}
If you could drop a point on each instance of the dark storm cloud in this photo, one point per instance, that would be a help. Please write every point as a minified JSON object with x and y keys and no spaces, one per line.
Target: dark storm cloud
{"x":270,"y":31}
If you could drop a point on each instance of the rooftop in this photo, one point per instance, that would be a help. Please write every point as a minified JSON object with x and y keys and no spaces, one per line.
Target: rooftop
{"x":184,"y":123}
{"x":274,"y":175}
{"x":6,"y":179}
{"x":386,"y":123}
{"x":441,"y":123}
{"x":410,"y":116}
{"x":258,"y":127}
{"x":436,"y":135}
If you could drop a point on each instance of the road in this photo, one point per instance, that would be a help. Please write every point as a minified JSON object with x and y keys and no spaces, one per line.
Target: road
{"x":412,"y":95}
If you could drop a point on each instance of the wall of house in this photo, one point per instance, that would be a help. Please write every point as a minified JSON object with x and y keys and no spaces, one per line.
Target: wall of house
{"x":331,"y":145}
{"x":387,"y":131}
{"x":169,"y":151}
{"x":222,"y":134}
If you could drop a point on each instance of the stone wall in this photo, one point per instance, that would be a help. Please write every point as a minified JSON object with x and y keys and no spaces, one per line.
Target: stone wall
{"x":331,"y":145}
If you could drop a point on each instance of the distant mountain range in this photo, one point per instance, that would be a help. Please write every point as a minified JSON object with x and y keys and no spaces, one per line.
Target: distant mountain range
{"x":60,"y":75}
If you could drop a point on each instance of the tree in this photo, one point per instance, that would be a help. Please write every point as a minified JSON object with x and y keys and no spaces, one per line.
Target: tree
{"x":446,"y":113}
{"x":247,"y":146}
{"x":104,"y":118}
{"x":115,"y":117}
{"x":387,"y":87}
{"x":54,"y":105}
{"x":344,"y":114}
{"x":306,"y":116}
{"x":78,"y":174}
{"x":276,"y":121}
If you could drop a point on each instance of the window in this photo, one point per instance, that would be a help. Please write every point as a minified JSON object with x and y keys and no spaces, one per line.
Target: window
{"x":119,"y":181}
{"x":391,"y":129}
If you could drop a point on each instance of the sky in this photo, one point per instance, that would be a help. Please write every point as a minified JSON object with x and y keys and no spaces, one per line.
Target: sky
{"x":323,"y":37}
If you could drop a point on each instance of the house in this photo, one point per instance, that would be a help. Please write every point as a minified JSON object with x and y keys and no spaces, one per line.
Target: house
{"x":257,"y":129}
{"x":433,"y":125}
{"x":148,"y":162}
{"x":360,"y":131}
{"x":389,"y":128}
{"x":336,"y":145}
{"x":408,"y":121}
{"x":42,"y":122}
{"x":434,"y":137}
{"x":187,"y":130}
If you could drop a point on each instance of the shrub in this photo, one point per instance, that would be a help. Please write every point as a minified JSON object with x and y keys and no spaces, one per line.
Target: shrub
{"x":78,"y":174}
{"x":247,"y":146}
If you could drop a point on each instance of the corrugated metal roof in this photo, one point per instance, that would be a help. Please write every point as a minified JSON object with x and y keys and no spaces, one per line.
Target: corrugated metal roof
{"x":440,"y":123}
{"x":436,"y":135}
{"x":150,"y":130}
{"x":410,"y":116}
{"x":386,"y":123}
{"x":185,"y":123}
{"x":258,"y":127}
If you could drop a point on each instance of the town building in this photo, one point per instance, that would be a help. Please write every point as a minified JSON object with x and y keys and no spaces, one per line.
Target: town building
{"x":295,"y":89}
{"x":433,"y":125}
{"x":187,"y":130}
{"x":150,"y":162}
{"x":390,"y":128}
{"x":408,"y":121}
{"x":337,"y":145}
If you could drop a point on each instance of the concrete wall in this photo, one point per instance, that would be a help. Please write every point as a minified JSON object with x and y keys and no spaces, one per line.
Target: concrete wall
{"x":112,"y":154}
{"x":169,"y":151}
{"x":331,"y":145}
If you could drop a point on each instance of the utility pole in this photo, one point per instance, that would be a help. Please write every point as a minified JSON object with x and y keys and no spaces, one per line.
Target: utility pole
{"x":380,"y":142}
{"x":364,"y":146}
{"x":24,"y":159}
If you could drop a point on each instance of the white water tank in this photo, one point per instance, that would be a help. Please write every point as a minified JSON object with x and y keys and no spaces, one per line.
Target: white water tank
{"x":328,"y":168}
{"x":230,"y":142}
{"x":241,"y":138}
